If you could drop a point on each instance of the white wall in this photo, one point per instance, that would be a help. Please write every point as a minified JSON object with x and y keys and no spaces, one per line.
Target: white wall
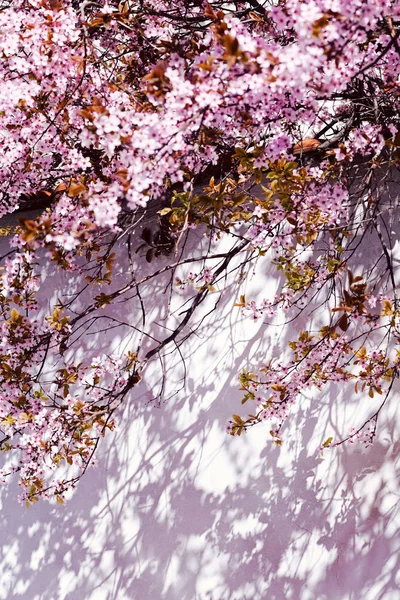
{"x":178,"y":510}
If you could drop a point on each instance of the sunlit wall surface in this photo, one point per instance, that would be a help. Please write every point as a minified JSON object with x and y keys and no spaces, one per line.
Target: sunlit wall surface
{"x":177,"y":509}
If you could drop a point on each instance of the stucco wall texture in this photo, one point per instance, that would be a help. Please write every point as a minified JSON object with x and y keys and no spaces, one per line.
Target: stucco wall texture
{"x":178,"y":510}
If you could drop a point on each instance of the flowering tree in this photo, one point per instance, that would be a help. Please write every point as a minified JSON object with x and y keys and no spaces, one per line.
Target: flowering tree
{"x":272,"y":126}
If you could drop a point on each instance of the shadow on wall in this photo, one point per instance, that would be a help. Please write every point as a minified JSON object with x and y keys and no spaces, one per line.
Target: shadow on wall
{"x":183,"y":513}
{"x":176,"y":509}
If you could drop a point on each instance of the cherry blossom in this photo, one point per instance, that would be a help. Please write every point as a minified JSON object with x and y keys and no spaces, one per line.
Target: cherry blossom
{"x":271,"y":128}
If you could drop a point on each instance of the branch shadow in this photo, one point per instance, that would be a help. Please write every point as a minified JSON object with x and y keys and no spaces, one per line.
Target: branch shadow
{"x":177,"y":509}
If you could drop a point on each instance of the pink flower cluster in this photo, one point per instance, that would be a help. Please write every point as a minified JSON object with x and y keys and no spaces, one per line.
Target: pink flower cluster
{"x":107,"y":107}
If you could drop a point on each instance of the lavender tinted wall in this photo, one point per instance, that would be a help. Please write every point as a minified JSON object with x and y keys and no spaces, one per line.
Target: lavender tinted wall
{"x":176,"y":509}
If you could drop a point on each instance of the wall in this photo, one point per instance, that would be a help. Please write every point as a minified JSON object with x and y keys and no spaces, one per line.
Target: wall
{"x":176,"y":509}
